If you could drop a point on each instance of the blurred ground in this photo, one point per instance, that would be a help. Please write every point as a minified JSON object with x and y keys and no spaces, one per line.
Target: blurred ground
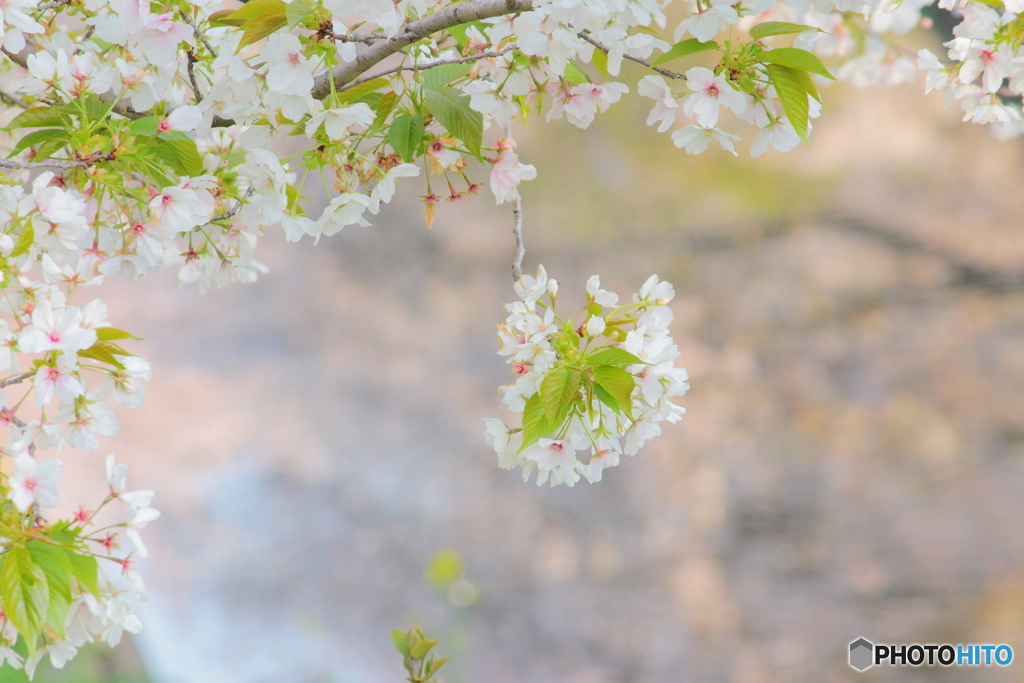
{"x":851,"y":464}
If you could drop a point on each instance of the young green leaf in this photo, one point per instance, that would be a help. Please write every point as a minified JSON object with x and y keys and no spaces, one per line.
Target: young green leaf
{"x":179,"y":151}
{"x":535,"y":422}
{"x":113,"y":334}
{"x":258,"y":29}
{"x":223,"y":18}
{"x":36,"y":137}
{"x":384,"y":108}
{"x":809,"y":85}
{"x":795,"y":58}
{"x":257,"y":9}
{"x":684,"y":48}
{"x":85,"y":569}
{"x":559,"y":388}
{"x":435,"y":77}
{"x":778,"y":28}
{"x":619,"y":384}
{"x":604,"y":397}
{"x":575,"y":75}
{"x":400,"y":639}
{"x":600,"y":60}
{"x":358,"y":91}
{"x":612,"y":355}
{"x":38,"y":117}
{"x":25,"y":240}
{"x":451,"y":108}
{"x":406,"y":135}
{"x":57,"y":567}
{"x":25,"y":594}
{"x":793,"y":95}
{"x":422,"y":648}
{"x":147,"y":125}
{"x":297,"y":11}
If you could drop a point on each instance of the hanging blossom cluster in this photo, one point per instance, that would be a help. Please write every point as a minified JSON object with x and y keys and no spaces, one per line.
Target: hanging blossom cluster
{"x":142,"y":135}
{"x":593,"y":386}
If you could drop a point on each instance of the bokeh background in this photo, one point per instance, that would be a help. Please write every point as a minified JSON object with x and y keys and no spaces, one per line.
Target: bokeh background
{"x":851,"y":463}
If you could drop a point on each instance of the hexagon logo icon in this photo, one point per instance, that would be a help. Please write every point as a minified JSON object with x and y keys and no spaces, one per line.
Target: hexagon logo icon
{"x":861,"y":654}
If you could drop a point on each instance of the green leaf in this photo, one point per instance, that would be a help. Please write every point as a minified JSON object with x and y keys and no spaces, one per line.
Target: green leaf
{"x":38,"y":117}
{"x":258,"y":9}
{"x":258,"y":29}
{"x":778,"y":28}
{"x":600,"y":60}
{"x":535,"y":422}
{"x":435,"y":77}
{"x":559,"y":388}
{"x":684,"y":48}
{"x":148,"y":126}
{"x":400,"y":639}
{"x":406,"y":135}
{"x":809,"y":85}
{"x":57,"y":567}
{"x":112,"y":334}
{"x":619,"y":384}
{"x":575,"y":75}
{"x":435,"y":664}
{"x":297,"y":11}
{"x":25,"y":594}
{"x":459,"y":32}
{"x":35,"y":137}
{"x":422,"y":648}
{"x":179,"y":151}
{"x":356,"y":92}
{"x":103,"y":352}
{"x":384,"y":108}
{"x":612,"y":355}
{"x":793,"y":95}
{"x":451,"y":108}
{"x":85,"y":569}
{"x":223,"y":18}
{"x":48,"y":148}
{"x":25,"y":240}
{"x":604,"y":397}
{"x":795,"y":58}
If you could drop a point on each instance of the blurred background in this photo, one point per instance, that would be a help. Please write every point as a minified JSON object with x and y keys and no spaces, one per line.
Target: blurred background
{"x":851,"y":463}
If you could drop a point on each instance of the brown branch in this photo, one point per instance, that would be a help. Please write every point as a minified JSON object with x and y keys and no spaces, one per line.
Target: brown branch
{"x":190,"y":68}
{"x":65,"y":164}
{"x":16,"y":379}
{"x":431,"y":65}
{"x":664,"y":72}
{"x":199,"y":34}
{"x":21,"y":59}
{"x":462,"y":13}
{"x":13,"y":100}
{"x":517,"y":230}
{"x":228,"y":214}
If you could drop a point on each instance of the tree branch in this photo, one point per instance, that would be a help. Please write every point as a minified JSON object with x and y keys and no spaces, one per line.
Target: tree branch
{"x":13,"y":100}
{"x":228,"y":214}
{"x":517,"y":230}
{"x":605,"y":49}
{"x":199,"y":34}
{"x":21,"y":59}
{"x":462,"y":13}
{"x":431,"y":65}
{"x":16,"y":379}
{"x":64,"y":164}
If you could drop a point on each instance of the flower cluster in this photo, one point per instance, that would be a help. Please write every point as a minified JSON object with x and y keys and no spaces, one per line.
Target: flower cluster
{"x":599,"y":382}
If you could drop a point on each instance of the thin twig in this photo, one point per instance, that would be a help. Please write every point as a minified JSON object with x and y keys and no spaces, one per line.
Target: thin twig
{"x":13,"y":100}
{"x":354,"y":37}
{"x":228,"y":214}
{"x":53,"y":5}
{"x":190,"y":68}
{"x":199,"y":34}
{"x":517,"y":214}
{"x":517,"y":228}
{"x":431,"y":65}
{"x":16,"y":379}
{"x":605,"y":49}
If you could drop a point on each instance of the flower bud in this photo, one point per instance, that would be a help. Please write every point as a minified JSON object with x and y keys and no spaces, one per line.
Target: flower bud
{"x":595,"y":326}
